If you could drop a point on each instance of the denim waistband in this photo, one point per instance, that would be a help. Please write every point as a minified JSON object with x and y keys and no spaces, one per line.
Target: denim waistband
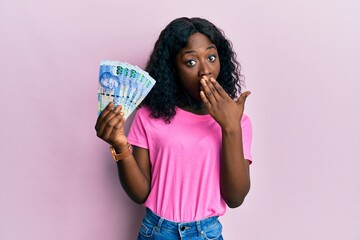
{"x":179,"y":227}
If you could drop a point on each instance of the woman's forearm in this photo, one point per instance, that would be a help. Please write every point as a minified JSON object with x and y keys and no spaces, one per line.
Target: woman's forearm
{"x":234,"y":173}
{"x":133,"y":179}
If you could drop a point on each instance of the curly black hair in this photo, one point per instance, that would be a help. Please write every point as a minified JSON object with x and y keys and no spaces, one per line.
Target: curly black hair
{"x":167,"y":92}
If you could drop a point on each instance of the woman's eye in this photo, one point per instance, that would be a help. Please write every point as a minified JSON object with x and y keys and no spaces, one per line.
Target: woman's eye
{"x":191,"y":63}
{"x":212,"y":58}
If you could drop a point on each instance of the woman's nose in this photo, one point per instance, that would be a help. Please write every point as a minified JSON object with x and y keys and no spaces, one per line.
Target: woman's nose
{"x":204,"y":70}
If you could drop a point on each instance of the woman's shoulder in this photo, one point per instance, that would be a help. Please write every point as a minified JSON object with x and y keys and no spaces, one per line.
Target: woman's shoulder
{"x":143,"y":111}
{"x":245,"y":118}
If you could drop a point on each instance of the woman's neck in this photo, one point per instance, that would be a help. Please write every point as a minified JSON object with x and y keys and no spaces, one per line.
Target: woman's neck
{"x":192,"y":105}
{"x":198,"y":110}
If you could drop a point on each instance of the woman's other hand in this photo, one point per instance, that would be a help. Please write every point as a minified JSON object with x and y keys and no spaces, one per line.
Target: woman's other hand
{"x":220,"y":105}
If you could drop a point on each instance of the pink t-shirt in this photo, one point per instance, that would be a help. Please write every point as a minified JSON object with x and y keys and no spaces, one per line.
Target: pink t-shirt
{"x":185,"y":163}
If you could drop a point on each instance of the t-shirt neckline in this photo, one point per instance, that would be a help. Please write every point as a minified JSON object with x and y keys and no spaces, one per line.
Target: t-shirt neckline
{"x":191,"y":115}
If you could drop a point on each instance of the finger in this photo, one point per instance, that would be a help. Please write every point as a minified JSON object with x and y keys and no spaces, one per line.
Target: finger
{"x":219,"y":89}
{"x":121,"y":123}
{"x":113,"y":113}
{"x":208,"y":93}
{"x":111,"y":126}
{"x":205,"y":100}
{"x":118,"y":127}
{"x":103,"y":114}
{"x":243,"y":97}
{"x":211,"y":84}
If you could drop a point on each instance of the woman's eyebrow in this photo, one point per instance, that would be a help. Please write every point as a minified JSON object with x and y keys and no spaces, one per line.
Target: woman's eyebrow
{"x":210,"y":47}
{"x":192,"y":51}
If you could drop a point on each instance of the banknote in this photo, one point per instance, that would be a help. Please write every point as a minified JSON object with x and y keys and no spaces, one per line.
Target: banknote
{"x":124,"y":84}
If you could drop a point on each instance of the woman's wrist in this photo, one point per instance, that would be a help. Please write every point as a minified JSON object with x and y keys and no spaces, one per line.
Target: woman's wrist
{"x":236,"y":128}
{"x":120,"y":153}
{"x":121,"y":148}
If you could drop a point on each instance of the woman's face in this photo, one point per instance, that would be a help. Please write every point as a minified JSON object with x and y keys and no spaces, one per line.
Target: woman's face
{"x":197,"y":59}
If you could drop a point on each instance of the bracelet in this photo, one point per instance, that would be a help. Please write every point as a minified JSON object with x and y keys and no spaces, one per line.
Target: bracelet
{"x":120,"y":156}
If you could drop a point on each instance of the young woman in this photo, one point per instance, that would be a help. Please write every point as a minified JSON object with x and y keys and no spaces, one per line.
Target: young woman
{"x":191,"y":142}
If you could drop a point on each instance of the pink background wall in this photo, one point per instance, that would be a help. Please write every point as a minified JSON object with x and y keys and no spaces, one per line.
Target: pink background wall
{"x":301,"y":61}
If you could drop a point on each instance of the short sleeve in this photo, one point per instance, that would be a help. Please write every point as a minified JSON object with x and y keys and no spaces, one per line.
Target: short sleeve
{"x":246,"y":137}
{"x":137,"y":135}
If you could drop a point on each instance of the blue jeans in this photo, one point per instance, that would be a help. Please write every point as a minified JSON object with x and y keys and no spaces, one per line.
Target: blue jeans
{"x":157,"y":228}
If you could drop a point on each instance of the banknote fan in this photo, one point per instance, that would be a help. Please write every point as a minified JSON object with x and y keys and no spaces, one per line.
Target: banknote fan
{"x":124,"y":84}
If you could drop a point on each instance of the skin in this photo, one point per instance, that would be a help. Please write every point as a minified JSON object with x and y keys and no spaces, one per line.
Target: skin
{"x":197,"y":66}
{"x":198,"y":59}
